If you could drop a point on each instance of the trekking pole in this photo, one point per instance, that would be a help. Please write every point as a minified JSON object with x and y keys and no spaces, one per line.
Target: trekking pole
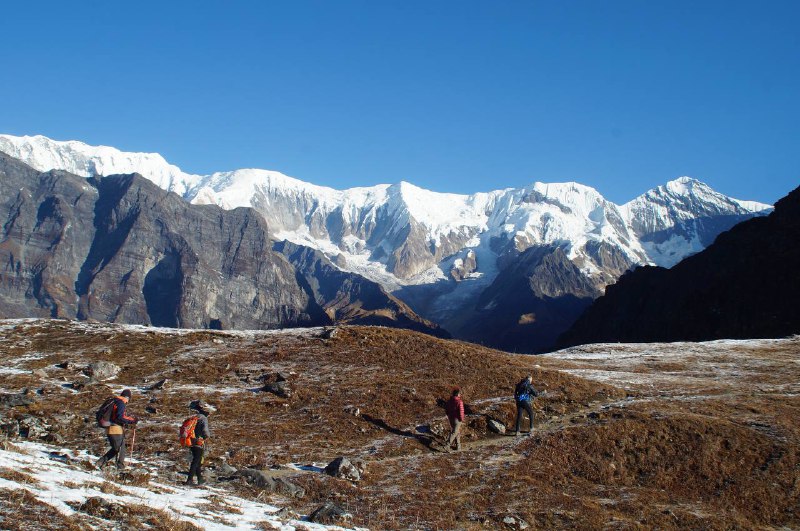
{"x":133,"y":439}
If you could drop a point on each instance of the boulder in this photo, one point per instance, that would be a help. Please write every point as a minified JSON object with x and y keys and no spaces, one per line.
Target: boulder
{"x":102,"y":370}
{"x":343,"y":468}
{"x":158,"y":385}
{"x":495,"y":426}
{"x":278,"y":485}
{"x":330,"y":514}
{"x":515,"y":522}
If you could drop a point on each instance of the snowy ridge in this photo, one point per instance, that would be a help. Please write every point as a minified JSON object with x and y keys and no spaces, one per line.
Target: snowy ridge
{"x":401,"y":234}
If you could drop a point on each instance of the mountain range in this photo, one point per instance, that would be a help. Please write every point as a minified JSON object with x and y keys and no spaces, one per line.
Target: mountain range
{"x":744,"y":285}
{"x":510,"y":268}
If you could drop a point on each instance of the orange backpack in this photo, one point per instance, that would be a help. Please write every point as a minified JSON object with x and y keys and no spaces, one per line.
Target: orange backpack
{"x":186,"y":434}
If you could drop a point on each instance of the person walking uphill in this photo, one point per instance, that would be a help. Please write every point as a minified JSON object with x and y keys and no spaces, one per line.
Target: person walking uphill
{"x":115,"y":421}
{"x":524,"y":393}
{"x":455,"y":414}
{"x":193,"y":434}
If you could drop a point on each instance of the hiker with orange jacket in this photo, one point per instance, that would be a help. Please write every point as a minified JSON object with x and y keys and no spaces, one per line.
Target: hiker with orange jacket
{"x":194,"y":433}
{"x":455,"y":415}
{"x":115,"y":431}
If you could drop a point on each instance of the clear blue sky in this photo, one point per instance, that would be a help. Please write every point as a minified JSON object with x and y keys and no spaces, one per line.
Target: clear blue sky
{"x":453,"y":96}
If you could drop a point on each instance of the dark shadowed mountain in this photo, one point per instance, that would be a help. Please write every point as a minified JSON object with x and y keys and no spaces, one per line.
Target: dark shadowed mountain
{"x":745,"y":285}
{"x":531,"y":302}
{"x":121,"y":249}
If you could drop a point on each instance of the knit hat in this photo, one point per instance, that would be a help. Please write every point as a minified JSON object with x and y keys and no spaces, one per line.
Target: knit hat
{"x":126,"y":393}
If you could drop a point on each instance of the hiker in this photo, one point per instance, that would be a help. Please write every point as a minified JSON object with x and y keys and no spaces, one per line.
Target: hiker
{"x":455,"y":414}
{"x":118,"y":419}
{"x":523,"y":395}
{"x":194,"y":432}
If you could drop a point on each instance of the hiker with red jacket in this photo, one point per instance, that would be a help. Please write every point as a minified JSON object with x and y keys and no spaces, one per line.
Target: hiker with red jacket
{"x":115,"y":432}
{"x":455,"y":414}
{"x":197,"y":431}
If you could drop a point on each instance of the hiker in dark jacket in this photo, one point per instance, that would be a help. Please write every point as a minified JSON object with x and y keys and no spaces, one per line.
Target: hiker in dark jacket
{"x":116,"y":431}
{"x":201,"y":433}
{"x":455,"y":415}
{"x":524,"y":393}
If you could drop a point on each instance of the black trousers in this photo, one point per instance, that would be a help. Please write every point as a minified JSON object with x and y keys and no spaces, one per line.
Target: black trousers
{"x":117,"y":450}
{"x":526,"y":406}
{"x":197,"y":462}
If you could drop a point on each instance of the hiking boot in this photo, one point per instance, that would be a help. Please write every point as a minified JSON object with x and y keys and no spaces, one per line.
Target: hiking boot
{"x":188,"y":482}
{"x":100,"y":463}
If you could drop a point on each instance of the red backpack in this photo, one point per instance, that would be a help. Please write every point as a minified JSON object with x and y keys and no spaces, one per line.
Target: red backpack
{"x":186,"y":435}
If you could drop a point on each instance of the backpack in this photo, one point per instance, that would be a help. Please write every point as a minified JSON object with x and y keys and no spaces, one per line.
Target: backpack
{"x":521,"y":393}
{"x":103,"y":413}
{"x":186,"y":434}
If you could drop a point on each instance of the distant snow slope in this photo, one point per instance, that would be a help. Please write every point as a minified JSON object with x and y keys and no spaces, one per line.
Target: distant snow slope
{"x":404,"y":235}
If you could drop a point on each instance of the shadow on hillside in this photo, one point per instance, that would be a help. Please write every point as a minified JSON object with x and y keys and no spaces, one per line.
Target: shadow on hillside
{"x":426,"y":439}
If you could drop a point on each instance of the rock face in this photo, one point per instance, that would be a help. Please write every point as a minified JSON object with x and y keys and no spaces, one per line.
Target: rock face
{"x":531,"y":302}
{"x":744,"y":285}
{"x":120,"y":249}
{"x":347,"y":298}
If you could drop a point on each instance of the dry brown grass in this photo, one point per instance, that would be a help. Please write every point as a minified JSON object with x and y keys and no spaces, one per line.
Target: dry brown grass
{"x":21,"y":511}
{"x":727,"y":461}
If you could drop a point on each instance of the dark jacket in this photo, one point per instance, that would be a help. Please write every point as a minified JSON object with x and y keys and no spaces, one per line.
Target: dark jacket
{"x":455,"y":408}
{"x":524,"y":388}
{"x":118,"y":415}
{"x":201,"y":430}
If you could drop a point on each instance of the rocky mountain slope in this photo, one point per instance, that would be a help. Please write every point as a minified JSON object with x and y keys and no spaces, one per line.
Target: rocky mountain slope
{"x":744,"y":285}
{"x":120,"y":249}
{"x":441,"y":253}
{"x":668,"y":436}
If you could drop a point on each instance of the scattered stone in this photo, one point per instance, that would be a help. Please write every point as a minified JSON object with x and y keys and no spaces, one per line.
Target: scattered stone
{"x":9,"y":428}
{"x":515,"y":522}
{"x":329,"y":333}
{"x":353,"y":410}
{"x":224,"y":469}
{"x":158,"y":385}
{"x":32,"y":427}
{"x":276,"y":485}
{"x":17,"y":399}
{"x":343,"y":468}
{"x":102,"y":370}
{"x":276,"y":384}
{"x":54,"y":438}
{"x":330,"y":514}
{"x":495,"y":426}
{"x":65,"y":365}
{"x":151,"y":409}
{"x":39,"y":373}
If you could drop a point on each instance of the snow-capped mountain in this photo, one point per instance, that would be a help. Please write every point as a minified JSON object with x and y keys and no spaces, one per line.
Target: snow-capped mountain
{"x":437,"y":251}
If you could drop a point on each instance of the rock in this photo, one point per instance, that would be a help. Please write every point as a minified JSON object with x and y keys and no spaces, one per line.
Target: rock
{"x":343,"y":468}
{"x":329,"y":514}
{"x":65,"y":365}
{"x":352,"y":410}
{"x":276,"y":485}
{"x":12,"y":400}
{"x":515,"y":522}
{"x":54,"y":438}
{"x":224,"y":469}
{"x":280,"y":389}
{"x":158,"y":385}
{"x":495,"y":426}
{"x":102,"y":370}
{"x":9,"y":428}
{"x":151,"y":409}
{"x":39,"y":373}
{"x":32,"y":427}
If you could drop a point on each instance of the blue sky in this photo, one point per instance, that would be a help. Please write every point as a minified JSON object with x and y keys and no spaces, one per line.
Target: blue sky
{"x":452,"y":96}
